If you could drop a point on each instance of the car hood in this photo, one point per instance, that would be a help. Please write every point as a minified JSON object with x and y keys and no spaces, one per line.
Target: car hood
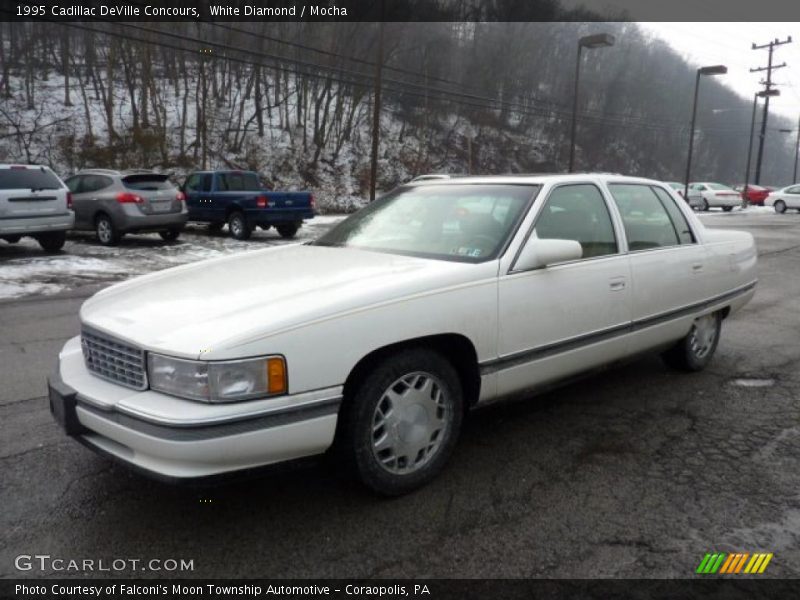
{"x":213,"y":304}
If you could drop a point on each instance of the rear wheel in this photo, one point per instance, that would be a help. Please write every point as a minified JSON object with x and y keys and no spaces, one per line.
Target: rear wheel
{"x":401,"y":423}
{"x":170,"y":235}
{"x":288,"y":230}
{"x":238,"y":226}
{"x":780,"y":206}
{"x":704,"y":206}
{"x":106,"y":232}
{"x":727,"y":208}
{"x":52,"y":241}
{"x":694,"y":352}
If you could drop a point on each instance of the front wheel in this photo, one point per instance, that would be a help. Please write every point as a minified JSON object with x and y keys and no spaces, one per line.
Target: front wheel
{"x":780,"y":207}
{"x":288,"y":230}
{"x":727,"y":208}
{"x":704,"y":207}
{"x":694,"y":352}
{"x":239,"y":227}
{"x":52,"y":241}
{"x":401,"y":423}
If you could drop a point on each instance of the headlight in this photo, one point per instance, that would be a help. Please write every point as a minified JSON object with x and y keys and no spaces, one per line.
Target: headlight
{"x":218,"y":381}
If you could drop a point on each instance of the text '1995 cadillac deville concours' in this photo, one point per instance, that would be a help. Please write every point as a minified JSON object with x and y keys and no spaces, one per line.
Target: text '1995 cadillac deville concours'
{"x":377,"y":338}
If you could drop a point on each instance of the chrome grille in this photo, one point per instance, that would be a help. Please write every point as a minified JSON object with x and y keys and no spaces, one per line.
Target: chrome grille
{"x":113,"y":360}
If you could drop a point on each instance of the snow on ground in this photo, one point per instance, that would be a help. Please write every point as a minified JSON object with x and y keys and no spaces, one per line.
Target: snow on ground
{"x":749,"y":211}
{"x":26,"y":271}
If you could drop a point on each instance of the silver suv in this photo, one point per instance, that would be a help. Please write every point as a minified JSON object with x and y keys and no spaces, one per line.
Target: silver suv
{"x":34,"y":202}
{"x":113,"y":203}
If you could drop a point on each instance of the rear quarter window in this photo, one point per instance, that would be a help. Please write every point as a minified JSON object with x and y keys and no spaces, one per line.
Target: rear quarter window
{"x":29,"y":179}
{"x":239,"y":182}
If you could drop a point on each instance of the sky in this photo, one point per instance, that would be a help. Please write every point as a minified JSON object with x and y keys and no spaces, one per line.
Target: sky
{"x":730,"y":44}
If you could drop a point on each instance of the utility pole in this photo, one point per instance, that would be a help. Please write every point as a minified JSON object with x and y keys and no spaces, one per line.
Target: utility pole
{"x":796,"y":153}
{"x":376,"y":112}
{"x":768,"y":86}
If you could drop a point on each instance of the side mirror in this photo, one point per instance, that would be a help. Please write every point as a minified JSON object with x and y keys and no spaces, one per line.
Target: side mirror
{"x":539,"y":253}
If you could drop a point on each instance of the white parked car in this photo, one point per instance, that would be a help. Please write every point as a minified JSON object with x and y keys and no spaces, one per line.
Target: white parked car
{"x":374,"y":339}
{"x":715,"y":195}
{"x":783,"y":199}
{"x":695,"y":199}
{"x":34,"y":202}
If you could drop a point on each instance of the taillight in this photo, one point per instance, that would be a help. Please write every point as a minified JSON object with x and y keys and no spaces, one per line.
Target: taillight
{"x":312,"y":202}
{"x":69,"y":199}
{"x":128,"y":198}
{"x":262,"y":202}
{"x":180,"y":196}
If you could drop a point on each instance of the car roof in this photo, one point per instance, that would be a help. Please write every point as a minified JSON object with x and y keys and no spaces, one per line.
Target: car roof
{"x":535,"y":179}
{"x":18,"y":165}
{"x":117,"y":173}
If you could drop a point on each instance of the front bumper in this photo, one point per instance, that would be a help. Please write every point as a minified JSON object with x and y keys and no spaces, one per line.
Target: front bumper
{"x":176,"y":439}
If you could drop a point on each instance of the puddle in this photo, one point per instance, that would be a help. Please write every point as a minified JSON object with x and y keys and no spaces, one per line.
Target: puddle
{"x":753,"y":382}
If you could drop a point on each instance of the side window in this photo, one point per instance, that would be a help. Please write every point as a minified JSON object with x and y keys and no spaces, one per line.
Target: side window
{"x":676,"y":216}
{"x":647,"y":223}
{"x":92,"y":183}
{"x":192,"y":184}
{"x":578,"y":212}
{"x":74,"y":184}
{"x":794,"y":190}
{"x":205,"y":185}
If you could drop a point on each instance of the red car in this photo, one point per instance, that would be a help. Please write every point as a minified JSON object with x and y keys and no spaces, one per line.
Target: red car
{"x":756,"y":194}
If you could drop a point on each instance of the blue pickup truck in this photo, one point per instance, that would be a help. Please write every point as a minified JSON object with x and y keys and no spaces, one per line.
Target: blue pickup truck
{"x":238,"y":199}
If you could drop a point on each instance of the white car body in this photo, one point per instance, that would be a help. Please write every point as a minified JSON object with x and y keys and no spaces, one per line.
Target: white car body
{"x":788,"y":196}
{"x":727,"y":198}
{"x":326,"y":309}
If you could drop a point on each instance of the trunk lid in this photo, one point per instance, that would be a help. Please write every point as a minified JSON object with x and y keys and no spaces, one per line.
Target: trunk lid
{"x":158,"y":194}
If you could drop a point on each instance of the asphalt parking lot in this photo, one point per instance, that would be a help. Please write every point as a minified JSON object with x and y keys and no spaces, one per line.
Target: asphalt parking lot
{"x":635,"y":473}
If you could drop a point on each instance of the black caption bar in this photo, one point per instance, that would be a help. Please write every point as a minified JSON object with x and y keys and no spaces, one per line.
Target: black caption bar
{"x":508,"y":589}
{"x":402,"y":10}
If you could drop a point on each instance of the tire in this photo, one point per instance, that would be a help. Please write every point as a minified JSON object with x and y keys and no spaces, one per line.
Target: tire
{"x":107,"y":233}
{"x":52,"y":241}
{"x":695,"y":351}
{"x":704,"y":207}
{"x":288,"y":230}
{"x":780,"y":207}
{"x":727,"y":208}
{"x":397,"y":438}
{"x":13,"y":239}
{"x":215,"y":228}
{"x":170,"y":235}
{"x":238,"y":226}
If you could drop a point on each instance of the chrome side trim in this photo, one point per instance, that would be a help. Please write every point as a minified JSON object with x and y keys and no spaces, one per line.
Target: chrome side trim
{"x":544,"y":351}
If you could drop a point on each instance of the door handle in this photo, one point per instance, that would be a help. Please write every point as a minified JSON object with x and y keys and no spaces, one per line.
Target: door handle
{"x":617,"y":285}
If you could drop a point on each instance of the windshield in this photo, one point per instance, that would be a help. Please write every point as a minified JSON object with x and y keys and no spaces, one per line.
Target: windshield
{"x":36,"y":178}
{"x":469,"y":223}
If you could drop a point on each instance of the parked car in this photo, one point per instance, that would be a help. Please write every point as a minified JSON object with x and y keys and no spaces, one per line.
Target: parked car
{"x":695,"y":199}
{"x":438,"y":297}
{"x":783,"y":199}
{"x":756,"y":194}
{"x":112,"y":203}
{"x":238,"y":199}
{"x":34,"y":202}
{"x":715,"y":195}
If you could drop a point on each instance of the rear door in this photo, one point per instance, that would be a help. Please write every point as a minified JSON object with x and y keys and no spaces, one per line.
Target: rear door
{"x":792,"y":196}
{"x":29,"y":192}
{"x":158,"y":193}
{"x":667,"y":263}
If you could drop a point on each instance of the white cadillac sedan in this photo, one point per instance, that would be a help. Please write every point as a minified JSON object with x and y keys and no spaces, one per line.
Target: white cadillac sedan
{"x":712,"y":195}
{"x":376,"y":338}
{"x":783,"y":199}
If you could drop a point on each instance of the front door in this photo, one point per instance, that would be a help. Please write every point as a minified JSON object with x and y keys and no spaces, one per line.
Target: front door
{"x":568,"y":317}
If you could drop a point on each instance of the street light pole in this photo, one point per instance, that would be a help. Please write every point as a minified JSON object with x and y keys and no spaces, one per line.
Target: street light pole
{"x":796,"y":153}
{"x":750,"y":149}
{"x":713,"y":70}
{"x":599,"y":40}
